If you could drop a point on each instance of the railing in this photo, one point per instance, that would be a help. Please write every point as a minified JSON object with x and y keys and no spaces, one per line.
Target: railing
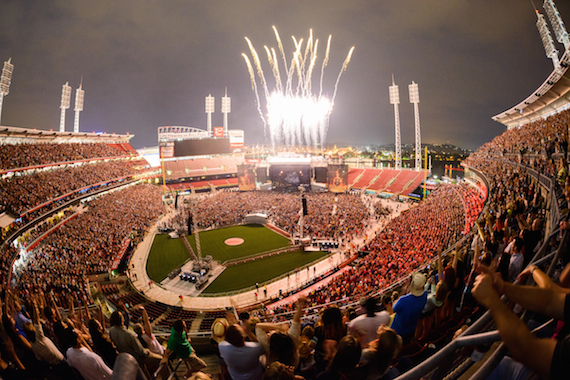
{"x":470,"y":336}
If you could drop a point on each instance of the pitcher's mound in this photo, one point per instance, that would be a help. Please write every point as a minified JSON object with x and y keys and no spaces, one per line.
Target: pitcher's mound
{"x":234,"y":241}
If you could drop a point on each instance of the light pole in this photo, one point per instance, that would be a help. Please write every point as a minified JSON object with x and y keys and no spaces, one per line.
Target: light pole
{"x":395,"y":100}
{"x":65,"y":102}
{"x":5,"y":81}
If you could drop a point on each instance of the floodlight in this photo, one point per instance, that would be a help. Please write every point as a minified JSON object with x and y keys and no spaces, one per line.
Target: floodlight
{"x":210,"y":104}
{"x":547,"y":40}
{"x":556,"y":22}
{"x":5,"y":81}
{"x":79,"y":96}
{"x":226,"y":104}
{"x":6,"y":78}
{"x":414,"y":93}
{"x":415,"y":100}
{"x":65,"y":96}
{"x":394,"y":94}
{"x":65,"y":102}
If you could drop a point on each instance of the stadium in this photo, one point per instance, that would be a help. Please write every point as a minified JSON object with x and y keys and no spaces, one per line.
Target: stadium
{"x":97,"y":240}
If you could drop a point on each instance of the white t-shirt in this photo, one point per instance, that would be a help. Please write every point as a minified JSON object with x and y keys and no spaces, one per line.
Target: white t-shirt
{"x":153,"y":344}
{"x":89,"y":364}
{"x":243,"y":362}
{"x":368,"y":326}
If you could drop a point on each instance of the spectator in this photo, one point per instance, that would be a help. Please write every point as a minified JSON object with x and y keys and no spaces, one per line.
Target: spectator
{"x":545,"y":357}
{"x":281,"y":346}
{"x":278,"y":371}
{"x":344,"y":360}
{"x":179,"y":344}
{"x":408,"y":308}
{"x":89,"y":364}
{"x":241,"y":357}
{"x":44,"y":348}
{"x":102,"y":344}
{"x":366,"y":325}
{"x":517,"y":259}
{"x":127,"y":341}
{"x":380,"y":354}
{"x":329,"y":332}
{"x":144,"y":333}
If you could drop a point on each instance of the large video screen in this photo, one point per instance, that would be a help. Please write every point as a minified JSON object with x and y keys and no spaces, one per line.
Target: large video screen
{"x":289,"y":177}
{"x":246,"y":177}
{"x":202,"y":147}
{"x":261,"y":174}
{"x":338,"y":178}
{"x":321,"y":174}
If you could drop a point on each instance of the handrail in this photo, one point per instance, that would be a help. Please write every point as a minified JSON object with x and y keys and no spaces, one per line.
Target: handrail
{"x":439,"y":357}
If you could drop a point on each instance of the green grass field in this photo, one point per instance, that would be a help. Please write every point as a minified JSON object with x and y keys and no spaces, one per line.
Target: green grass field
{"x":165,"y":255}
{"x":244,"y":275}
{"x":256,"y":238}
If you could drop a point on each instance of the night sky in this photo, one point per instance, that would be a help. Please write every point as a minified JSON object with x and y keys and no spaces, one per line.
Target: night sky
{"x":147,"y":63}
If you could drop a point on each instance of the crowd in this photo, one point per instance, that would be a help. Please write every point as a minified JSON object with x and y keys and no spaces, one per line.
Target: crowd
{"x":39,"y":343}
{"x":406,"y":243}
{"x":506,"y":237}
{"x":32,"y":234}
{"x":15,"y":156}
{"x":22,"y":193}
{"x":542,"y":137}
{"x":88,"y":243}
{"x":328,"y":216}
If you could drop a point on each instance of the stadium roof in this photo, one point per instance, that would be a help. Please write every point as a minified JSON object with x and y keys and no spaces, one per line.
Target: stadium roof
{"x":18,"y":135}
{"x":551,"y":97}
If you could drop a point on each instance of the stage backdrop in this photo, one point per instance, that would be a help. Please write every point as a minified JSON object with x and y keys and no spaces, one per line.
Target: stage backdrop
{"x":289,"y":177}
{"x":338,"y":178}
{"x":246,"y":177}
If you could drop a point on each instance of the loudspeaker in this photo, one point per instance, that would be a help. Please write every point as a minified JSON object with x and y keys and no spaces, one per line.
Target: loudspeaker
{"x":304,"y":201}
{"x":190,"y":225}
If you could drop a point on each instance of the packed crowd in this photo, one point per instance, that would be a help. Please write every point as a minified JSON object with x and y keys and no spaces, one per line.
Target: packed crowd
{"x":22,"y":193}
{"x":15,"y":156}
{"x":406,"y":243}
{"x":43,"y":227}
{"x":329,"y":216}
{"x":506,"y":237}
{"x":88,"y":243}
{"x":543,"y":137}
{"x":40,"y":343}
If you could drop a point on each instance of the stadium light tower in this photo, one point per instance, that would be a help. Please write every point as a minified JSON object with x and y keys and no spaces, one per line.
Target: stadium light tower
{"x":556,"y":22}
{"x":209,"y":110}
{"x":395,"y":100}
{"x":79,"y":95}
{"x":65,"y":102}
{"x":5,"y":81}
{"x":415,"y":100}
{"x":547,"y":40}
{"x":226,"y":108}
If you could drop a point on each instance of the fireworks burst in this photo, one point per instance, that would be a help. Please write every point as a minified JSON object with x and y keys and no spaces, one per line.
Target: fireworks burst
{"x":295,"y":116}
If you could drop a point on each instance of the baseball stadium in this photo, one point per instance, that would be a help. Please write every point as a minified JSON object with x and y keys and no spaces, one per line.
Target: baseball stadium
{"x":322,"y":266}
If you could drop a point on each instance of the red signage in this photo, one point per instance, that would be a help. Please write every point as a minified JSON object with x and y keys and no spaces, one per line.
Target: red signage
{"x":218,"y":131}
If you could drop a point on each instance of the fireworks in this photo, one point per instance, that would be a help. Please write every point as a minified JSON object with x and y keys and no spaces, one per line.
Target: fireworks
{"x":295,"y":115}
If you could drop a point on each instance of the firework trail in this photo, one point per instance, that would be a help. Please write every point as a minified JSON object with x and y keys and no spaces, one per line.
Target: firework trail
{"x":295,"y":116}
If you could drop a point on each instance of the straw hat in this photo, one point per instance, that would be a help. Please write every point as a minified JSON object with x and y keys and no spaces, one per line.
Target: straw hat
{"x":417,"y":284}
{"x":219,"y":328}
